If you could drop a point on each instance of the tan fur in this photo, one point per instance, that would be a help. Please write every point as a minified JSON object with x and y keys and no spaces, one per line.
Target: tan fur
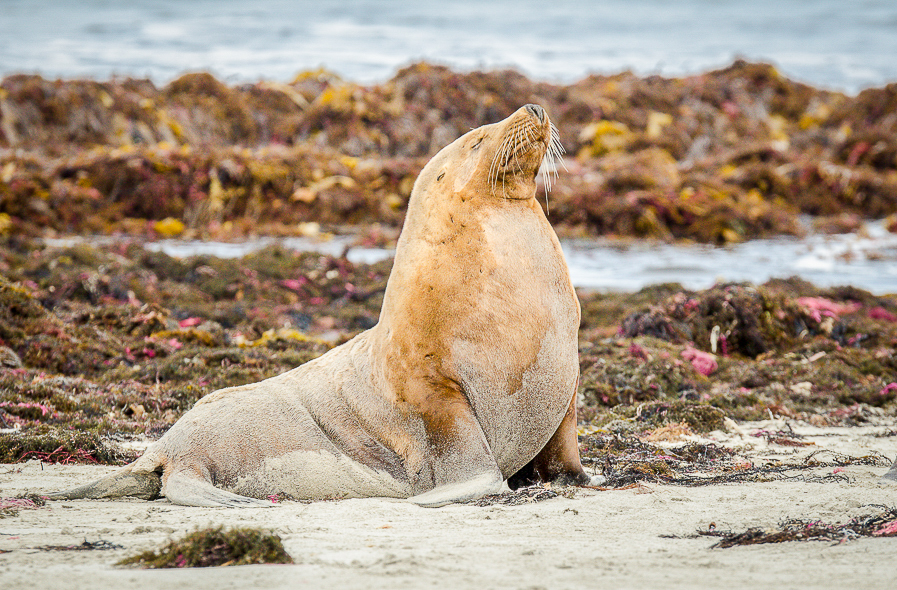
{"x":468,"y":378}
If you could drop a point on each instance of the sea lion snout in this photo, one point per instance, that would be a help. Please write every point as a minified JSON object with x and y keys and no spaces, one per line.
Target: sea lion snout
{"x":523,"y":144}
{"x":536,"y":111}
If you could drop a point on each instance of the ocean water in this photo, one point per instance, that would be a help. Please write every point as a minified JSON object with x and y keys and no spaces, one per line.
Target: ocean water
{"x":840,"y":44}
{"x":867,"y":260}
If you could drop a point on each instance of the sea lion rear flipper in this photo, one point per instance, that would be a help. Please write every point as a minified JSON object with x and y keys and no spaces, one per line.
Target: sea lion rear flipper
{"x":558,"y":462}
{"x":186,"y":490}
{"x":123,"y":483}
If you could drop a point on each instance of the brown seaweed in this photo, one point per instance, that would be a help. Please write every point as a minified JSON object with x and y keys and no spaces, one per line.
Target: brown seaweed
{"x":215,"y":547}
{"x":719,"y":157}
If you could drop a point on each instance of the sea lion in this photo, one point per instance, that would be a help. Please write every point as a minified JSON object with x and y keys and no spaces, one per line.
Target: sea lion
{"x":468,"y":379}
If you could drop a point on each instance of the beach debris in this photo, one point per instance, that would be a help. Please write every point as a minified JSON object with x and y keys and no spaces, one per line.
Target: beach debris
{"x":786,"y":437}
{"x":98,"y":545}
{"x":12,"y":506}
{"x":520,"y":496}
{"x":626,"y":460}
{"x":215,"y":547}
{"x":880,"y":524}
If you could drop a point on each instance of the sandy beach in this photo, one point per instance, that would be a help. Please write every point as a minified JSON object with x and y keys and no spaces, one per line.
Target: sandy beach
{"x":641,"y":537}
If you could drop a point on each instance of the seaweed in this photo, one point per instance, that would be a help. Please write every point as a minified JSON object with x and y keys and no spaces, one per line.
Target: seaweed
{"x":61,"y":446}
{"x":881,"y":524}
{"x":215,"y":547}
{"x":117,"y":341}
{"x":782,"y":348}
{"x":626,"y":460}
{"x":12,"y":506}
{"x":99,"y":545}
{"x":520,"y":496}
{"x":720,"y":157}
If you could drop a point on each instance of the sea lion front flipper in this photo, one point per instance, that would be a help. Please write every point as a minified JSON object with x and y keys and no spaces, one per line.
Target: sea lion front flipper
{"x":457,"y":463}
{"x":471,"y":489}
{"x":186,"y":490}
{"x":558,"y":461}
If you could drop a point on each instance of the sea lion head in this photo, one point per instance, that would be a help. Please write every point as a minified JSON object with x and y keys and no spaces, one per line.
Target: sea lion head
{"x":499,"y":161}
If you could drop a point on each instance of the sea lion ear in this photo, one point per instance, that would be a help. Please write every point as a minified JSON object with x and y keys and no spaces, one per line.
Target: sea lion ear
{"x":441,"y":174}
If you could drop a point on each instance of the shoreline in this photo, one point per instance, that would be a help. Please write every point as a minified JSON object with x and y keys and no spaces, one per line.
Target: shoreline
{"x":861,"y":258}
{"x":463,"y":70}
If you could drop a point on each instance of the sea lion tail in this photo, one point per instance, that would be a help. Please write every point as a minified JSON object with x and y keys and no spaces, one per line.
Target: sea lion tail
{"x":124,"y":482}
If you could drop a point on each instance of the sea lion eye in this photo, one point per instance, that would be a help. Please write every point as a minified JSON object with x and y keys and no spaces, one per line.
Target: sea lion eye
{"x":440,"y":176}
{"x":477,"y":144}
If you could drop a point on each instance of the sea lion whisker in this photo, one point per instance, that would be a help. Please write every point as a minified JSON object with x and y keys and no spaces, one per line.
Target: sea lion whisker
{"x":493,"y":167}
{"x":547,"y":168}
{"x":522,"y":143}
{"x":553,"y":155}
{"x":555,"y":140}
{"x":530,"y":137}
{"x":520,"y":138}
{"x":496,"y":165}
{"x":556,"y":150}
{"x":550,"y":162}
{"x":557,"y":155}
{"x":517,"y":151}
{"x":507,"y":153}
